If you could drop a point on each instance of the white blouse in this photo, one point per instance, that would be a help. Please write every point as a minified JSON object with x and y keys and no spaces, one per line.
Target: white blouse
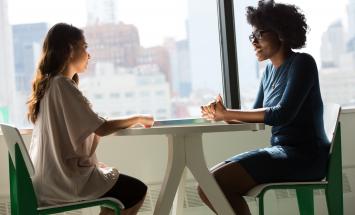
{"x":63,"y":147}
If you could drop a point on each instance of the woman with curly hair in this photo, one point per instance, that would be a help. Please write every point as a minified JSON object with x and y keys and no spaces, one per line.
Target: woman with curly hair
{"x":289,"y":100}
{"x":66,"y":131}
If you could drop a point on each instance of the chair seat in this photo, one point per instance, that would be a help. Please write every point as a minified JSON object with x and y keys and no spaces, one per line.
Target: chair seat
{"x":255,"y":191}
{"x":82,"y":202}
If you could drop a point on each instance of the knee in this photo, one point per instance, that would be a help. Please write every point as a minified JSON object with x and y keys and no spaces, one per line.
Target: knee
{"x":220,"y":174}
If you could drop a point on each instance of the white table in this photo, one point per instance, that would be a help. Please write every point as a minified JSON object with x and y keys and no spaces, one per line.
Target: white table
{"x":185,"y":150}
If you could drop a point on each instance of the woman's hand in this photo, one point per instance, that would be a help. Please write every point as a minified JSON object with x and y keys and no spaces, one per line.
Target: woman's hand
{"x":215,"y":110}
{"x":146,"y":120}
{"x":101,"y":165}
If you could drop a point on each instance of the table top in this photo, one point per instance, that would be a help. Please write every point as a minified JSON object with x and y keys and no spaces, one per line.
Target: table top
{"x":184,"y":126}
{"x":200,"y":127}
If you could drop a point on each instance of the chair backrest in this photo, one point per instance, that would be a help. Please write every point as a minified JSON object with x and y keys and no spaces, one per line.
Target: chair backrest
{"x":13,"y":137}
{"x":333,"y":133}
{"x":331,"y":115}
{"x":22,"y":194}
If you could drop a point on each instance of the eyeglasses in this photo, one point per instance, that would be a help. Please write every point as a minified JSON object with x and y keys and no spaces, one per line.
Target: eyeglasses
{"x":258,"y":35}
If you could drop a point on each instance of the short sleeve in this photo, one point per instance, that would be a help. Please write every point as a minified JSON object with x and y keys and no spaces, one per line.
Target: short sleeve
{"x":80,"y":120}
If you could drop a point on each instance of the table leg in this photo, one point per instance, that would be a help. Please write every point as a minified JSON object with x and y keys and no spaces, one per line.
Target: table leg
{"x":195,"y":161}
{"x":175,"y":167}
{"x":178,"y":205}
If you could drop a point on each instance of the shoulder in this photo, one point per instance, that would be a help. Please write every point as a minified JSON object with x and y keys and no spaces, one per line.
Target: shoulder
{"x":63,"y":84}
{"x":62,"y":80}
{"x":66,"y":89}
{"x":304,"y":59}
{"x":303,"y":67}
{"x":304,"y":63}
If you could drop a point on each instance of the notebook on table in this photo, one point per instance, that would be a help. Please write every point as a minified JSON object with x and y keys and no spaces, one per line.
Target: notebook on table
{"x":185,"y":121}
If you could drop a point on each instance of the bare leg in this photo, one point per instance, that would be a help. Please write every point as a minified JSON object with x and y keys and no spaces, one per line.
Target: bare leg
{"x":202,"y":194}
{"x":234,"y":182}
{"x":130,"y":211}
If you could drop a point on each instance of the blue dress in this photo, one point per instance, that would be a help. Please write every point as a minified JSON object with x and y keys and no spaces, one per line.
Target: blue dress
{"x":294,"y":108}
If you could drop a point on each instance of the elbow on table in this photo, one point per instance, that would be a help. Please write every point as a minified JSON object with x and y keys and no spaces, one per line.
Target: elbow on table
{"x":102,"y":130}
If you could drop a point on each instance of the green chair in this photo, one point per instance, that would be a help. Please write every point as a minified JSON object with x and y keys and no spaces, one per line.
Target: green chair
{"x":22,"y":195}
{"x":332,"y":184}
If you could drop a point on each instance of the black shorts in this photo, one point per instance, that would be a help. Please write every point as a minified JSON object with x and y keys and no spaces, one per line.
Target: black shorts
{"x":128,"y":190}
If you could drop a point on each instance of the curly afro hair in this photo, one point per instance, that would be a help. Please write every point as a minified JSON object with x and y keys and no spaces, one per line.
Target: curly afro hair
{"x":285,"y":20}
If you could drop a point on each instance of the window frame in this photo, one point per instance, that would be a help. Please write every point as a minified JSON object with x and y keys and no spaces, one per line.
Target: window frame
{"x":228,"y":48}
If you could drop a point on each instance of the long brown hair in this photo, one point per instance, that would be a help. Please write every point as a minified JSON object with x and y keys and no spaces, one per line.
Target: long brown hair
{"x":59,"y":46}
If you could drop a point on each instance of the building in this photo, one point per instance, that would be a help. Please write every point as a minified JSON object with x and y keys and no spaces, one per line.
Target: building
{"x":27,"y":43}
{"x":115,"y":43}
{"x":138,"y":90}
{"x":333,"y":45}
{"x":350,"y":46}
{"x":180,"y":66}
{"x":119,"y":44}
{"x":337,"y":76}
{"x":102,"y":12}
{"x":157,"y":55}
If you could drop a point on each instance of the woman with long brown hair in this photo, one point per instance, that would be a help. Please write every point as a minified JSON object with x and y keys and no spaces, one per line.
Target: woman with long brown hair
{"x":66,"y":130}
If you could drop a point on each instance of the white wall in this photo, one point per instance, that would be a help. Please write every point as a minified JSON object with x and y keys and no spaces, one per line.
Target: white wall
{"x":145,"y":158}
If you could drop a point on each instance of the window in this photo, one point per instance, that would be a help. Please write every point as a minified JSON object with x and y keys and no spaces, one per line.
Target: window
{"x":331,"y":41}
{"x":160,"y":93}
{"x":137,"y":46}
{"x":115,"y":95}
{"x":129,"y":95}
{"x":115,"y":114}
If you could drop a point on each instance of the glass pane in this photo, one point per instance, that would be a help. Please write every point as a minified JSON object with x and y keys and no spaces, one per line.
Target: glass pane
{"x":160,"y":57}
{"x":331,"y":41}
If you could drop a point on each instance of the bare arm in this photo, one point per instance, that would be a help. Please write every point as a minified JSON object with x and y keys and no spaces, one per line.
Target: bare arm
{"x":112,"y":126}
{"x":255,"y":115}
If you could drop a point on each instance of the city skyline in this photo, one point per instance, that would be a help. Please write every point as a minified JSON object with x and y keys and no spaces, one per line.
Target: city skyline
{"x":174,"y":15}
{"x":191,"y":65}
